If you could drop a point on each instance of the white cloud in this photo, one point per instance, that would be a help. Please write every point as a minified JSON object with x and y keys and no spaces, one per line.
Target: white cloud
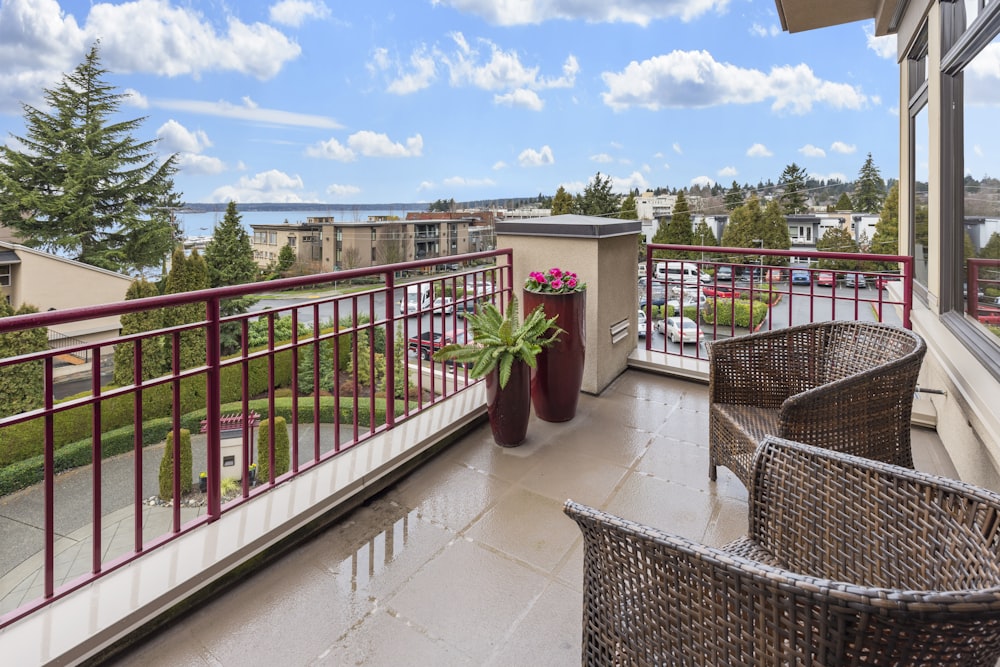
{"x":658,"y":155}
{"x":368,"y":144}
{"x":372,"y":144}
{"x":425,"y":185}
{"x":529,"y":157}
{"x":702,"y":181}
{"x":812,"y":151}
{"x":192,"y":163}
{"x":421,"y":73}
{"x":502,"y":71}
{"x":266,"y":186}
{"x":841,"y":147}
{"x":677,"y":148}
{"x":978,"y":150}
{"x":135,"y":98}
{"x":640,"y":12}
{"x":759,"y":150}
{"x":499,"y":164}
{"x":462,"y":182}
{"x":338,"y":190}
{"x":331,"y":149}
{"x":248,"y":112}
{"x":521,"y":98}
{"x":154,"y":36}
{"x":694,"y":79}
{"x":630,"y":182}
{"x":760,"y":31}
{"x":602,"y":158}
{"x":884,"y":47}
{"x":574,"y":187}
{"x":982,"y":77}
{"x":646,"y":168}
{"x":726,"y":172}
{"x":175,"y":137}
{"x":295,"y":12}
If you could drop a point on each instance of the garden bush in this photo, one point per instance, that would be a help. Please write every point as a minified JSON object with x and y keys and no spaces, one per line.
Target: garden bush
{"x":282,"y":456}
{"x":166,"y":476}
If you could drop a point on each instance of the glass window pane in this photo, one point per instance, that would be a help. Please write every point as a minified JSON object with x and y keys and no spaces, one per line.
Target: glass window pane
{"x":921,"y":240}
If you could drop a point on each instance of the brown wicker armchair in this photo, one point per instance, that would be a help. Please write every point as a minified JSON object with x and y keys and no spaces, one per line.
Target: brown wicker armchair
{"x":842,"y":385}
{"x":847,"y":561}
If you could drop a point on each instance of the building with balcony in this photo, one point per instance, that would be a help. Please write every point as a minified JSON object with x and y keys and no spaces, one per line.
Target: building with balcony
{"x":324,"y":244}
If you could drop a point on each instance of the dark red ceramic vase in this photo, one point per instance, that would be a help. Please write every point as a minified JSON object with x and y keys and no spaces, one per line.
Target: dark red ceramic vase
{"x":509,"y":408}
{"x":555,"y":385}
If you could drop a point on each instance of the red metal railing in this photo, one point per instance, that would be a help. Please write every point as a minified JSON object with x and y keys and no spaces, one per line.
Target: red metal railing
{"x":273,"y":378}
{"x":721,"y":307}
{"x":982,"y":300}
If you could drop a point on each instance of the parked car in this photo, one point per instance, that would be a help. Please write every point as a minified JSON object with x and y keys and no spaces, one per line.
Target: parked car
{"x":852,"y":279}
{"x":721,"y":292}
{"x":642,"y":323}
{"x":825,"y":279}
{"x":659,"y":293}
{"x":425,"y":344}
{"x":724,"y":273}
{"x":689,"y":300}
{"x":680,"y":330}
{"x":443,"y":304}
{"x":801,"y":277}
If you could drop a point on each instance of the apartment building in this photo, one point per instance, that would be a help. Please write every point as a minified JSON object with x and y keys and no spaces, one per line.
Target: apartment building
{"x":324,"y":244}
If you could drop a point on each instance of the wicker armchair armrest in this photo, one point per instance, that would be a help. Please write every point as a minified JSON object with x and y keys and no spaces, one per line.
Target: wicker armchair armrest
{"x":847,"y":518}
{"x":653,"y":598}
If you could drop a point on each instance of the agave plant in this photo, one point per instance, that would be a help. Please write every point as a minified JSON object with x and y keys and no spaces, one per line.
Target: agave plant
{"x":499,"y":339}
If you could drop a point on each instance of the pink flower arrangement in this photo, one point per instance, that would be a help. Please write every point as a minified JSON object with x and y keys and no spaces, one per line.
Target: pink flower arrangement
{"x":554,"y":281}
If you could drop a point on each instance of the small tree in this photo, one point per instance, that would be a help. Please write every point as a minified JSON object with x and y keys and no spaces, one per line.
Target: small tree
{"x":286,"y":259}
{"x":837,"y":239}
{"x":885,"y":241}
{"x":152,"y":348}
{"x":186,"y":275}
{"x":844,"y":203}
{"x":628,"y":211}
{"x":166,"y":476}
{"x":282,"y":456}
{"x":678,"y":231}
{"x":562,"y":203}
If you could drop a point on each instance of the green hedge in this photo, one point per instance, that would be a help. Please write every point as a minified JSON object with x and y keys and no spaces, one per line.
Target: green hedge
{"x":23,"y":441}
{"x":25,"y":473}
{"x":747,"y":315}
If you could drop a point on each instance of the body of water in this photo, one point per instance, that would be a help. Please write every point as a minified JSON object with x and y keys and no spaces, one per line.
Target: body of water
{"x":202,"y":224}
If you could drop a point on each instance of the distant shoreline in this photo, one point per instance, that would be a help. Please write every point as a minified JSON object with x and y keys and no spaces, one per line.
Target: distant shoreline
{"x":278,"y":206}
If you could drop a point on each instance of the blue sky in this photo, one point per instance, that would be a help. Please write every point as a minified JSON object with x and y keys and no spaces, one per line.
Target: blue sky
{"x":376,"y":101}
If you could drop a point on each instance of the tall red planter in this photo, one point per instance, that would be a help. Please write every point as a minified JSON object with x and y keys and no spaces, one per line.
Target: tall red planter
{"x":509,"y":408}
{"x":556,"y":382}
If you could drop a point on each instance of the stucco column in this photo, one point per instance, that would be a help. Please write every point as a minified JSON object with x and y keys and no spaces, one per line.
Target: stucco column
{"x":604,"y":254}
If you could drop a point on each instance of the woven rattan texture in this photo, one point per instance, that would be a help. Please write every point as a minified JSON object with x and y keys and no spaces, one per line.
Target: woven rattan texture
{"x":843,"y":385}
{"x":848,"y":561}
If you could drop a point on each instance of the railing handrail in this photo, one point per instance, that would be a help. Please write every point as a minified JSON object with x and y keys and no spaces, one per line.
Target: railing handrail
{"x":56,"y":317}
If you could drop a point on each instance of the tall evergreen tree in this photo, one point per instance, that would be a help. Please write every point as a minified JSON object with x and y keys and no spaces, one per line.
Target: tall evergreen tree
{"x":747,"y":228}
{"x":562,"y":203}
{"x":793,"y":180}
{"x":229,"y":258}
{"x":152,"y":348}
{"x":83,"y":186}
{"x":22,"y":386}
{"x":187,"y":274}
{"x":734,"y":197}
{"x":774,"y":231}
{"x":678,"y":231}
{"x":598,"y":199}
{"x":870,"y":188}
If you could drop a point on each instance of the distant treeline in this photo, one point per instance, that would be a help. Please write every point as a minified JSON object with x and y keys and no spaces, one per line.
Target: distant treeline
{"x":339,"y":208}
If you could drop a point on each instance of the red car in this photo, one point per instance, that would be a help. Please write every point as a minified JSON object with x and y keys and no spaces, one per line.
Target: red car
{"x":721,"y":292}
{"x":825,"y":279}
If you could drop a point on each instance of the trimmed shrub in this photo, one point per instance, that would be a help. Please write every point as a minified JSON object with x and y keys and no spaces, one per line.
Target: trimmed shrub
{"x":282,"y":456}
{"x":166,"y":477}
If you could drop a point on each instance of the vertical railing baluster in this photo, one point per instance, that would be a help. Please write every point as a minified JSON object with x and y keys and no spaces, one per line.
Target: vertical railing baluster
{"x":213,"y":407}
{"x":49,"y":474}
{"x":97,"y":459}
